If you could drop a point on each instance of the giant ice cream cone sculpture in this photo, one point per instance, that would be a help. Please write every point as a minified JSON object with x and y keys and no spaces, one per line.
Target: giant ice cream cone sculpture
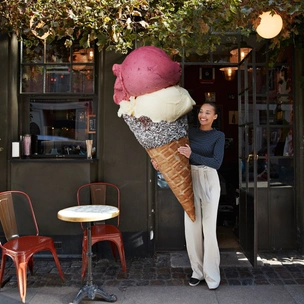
{"x":155,"y":108}
{"x":176,"y":170}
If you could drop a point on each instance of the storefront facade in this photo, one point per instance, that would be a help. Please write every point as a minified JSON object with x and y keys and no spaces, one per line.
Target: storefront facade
{"x":66,"y":97}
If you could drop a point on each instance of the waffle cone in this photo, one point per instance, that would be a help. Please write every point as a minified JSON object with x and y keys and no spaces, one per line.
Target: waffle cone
{"x":176,"y":170}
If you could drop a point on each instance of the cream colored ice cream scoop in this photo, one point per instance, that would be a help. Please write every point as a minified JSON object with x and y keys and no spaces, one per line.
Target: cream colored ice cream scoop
{"x":163,"y":105}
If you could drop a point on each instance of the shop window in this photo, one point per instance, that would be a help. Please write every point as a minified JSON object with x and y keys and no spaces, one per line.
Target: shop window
{"x":54,"y":68}
{"x":57,"y":95}
{"x":60,"y":127}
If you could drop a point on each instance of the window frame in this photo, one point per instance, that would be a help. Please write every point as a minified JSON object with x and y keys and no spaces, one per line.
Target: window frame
{"x":74,"y":68}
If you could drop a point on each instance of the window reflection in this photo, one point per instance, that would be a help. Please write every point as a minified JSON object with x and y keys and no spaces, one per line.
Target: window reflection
{"x":57,"y":53}
{"x":60,"y":126}
{"x":161,"y":182}
{"x":275,"y":129}
{"x":82,"y":81}
{"x":32,"y":79}
{"x":60,"y":70}
{"x":57,"y":79}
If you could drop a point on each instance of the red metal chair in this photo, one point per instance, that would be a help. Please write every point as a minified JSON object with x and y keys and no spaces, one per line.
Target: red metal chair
{"x":23,"y":240}
{"x":100,"y":193}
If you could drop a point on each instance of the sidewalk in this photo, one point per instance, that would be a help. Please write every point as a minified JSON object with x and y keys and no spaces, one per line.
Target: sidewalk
{"x":163,"y":279}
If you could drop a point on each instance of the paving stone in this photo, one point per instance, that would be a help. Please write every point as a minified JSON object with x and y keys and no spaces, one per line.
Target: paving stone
{"x":157,"y":271}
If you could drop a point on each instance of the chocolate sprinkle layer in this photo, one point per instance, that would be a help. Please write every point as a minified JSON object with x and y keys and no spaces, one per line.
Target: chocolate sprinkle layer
{"x":151,"y":134}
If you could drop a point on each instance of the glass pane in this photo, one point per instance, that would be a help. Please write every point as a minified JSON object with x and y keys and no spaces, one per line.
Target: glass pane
{"x":32,"y":78}
{"x":280,"y":138}
{"x":242,"y":110}
{"x":83,"y":80}
{"x":261,"y":80}
{"x":246,"y":79}
{"x":246,"y":149}
{"x":62,"y":63}
{"x":281,"y":171}
{"x":59,"y":127}
{"x":246,"y":110}
{"x":242,"y":157}
{"x":280,"y":81}
{"x":284,"y":112}
{"x":242,"y":81}
{"x":288,"y":146}
{"x":274,"y":112}
{"x":57,"y":79}
{"x":251,"y":114}
{"x":264,"y":114}
{"x":57,"y":53}
{"x":34,"y":54}
{"x":82,"y":55}
{"x":272,"y":165}
{"x":261,"y":141}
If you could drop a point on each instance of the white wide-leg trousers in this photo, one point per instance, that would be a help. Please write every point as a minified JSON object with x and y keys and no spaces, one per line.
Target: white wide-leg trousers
{"x":201,"y":240}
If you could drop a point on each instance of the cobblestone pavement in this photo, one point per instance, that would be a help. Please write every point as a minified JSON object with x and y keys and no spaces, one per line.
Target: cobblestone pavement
{"x":278,"y":269}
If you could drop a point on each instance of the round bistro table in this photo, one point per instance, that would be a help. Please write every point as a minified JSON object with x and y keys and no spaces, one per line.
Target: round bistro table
{"x":89,"y":214}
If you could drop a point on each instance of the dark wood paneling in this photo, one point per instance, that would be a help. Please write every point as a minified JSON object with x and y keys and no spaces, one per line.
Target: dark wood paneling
{"x":169,"y":222}
{"x":52,"y":186}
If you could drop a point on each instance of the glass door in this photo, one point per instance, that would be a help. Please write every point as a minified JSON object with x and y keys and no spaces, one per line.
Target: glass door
{"x":266,"y":155}
{"x":247,"y":157}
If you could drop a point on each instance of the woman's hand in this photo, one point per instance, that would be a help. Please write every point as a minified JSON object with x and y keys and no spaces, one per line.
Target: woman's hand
{"x":185,"y":150}
{"x":154,"y":164}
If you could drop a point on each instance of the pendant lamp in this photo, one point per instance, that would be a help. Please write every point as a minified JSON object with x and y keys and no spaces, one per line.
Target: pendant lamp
{"x":229,"y":72}
{"x":270,"y":26}
{"x":244,"y":51}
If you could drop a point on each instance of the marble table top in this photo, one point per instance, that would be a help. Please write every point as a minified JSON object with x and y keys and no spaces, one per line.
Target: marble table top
{"x":87,"y":213}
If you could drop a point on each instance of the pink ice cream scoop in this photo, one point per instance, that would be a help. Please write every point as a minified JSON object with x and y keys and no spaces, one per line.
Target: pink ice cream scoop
{"x":145,"y":70}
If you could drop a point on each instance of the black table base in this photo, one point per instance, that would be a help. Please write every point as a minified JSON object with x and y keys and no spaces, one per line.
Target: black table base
{"x":91,"y":290}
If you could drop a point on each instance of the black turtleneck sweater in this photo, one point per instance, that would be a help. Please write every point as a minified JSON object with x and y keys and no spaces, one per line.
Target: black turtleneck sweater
{"x":207,"y":147}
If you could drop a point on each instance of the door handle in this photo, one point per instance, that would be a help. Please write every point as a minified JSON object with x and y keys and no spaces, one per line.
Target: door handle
{"x":248,"y":158}
{"x":1,"y":149}
{"x":252,"y":155}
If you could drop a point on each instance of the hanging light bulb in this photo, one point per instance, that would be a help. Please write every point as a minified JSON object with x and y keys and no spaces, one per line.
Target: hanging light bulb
{"x":270,"y":25}
{"x":229,"y":72}
{"x":244,"y":51}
